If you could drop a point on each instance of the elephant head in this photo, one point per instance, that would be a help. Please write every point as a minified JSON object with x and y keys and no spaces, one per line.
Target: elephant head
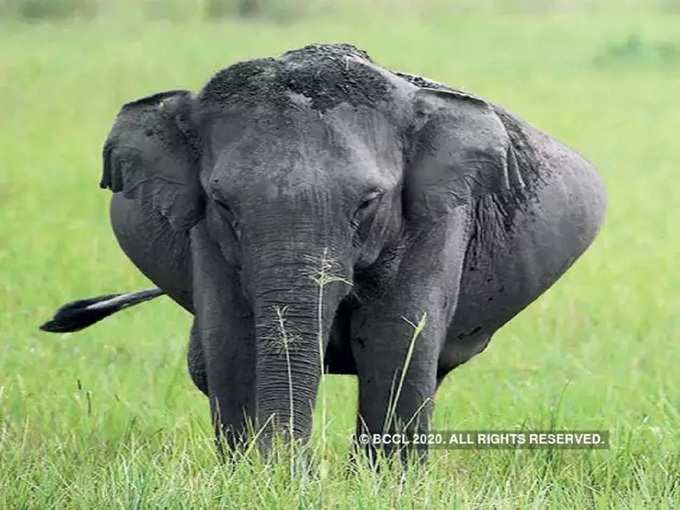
{"x":308,"y":172}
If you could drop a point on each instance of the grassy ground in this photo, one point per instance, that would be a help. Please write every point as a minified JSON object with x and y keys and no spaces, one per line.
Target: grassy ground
{"x":108,"y":417}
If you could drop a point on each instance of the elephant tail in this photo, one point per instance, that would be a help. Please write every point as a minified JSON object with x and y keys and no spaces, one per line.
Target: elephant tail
{"x":80,"y":314}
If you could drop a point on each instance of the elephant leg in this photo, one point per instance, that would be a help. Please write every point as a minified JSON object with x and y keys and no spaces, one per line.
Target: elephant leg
{"x":397,"y":378}
{"x":196,"y":360}
{"x":397,"y":339}
{"x":224,"y":324}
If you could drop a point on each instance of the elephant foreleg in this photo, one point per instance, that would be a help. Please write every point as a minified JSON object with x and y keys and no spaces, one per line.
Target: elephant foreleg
{"x":397,"y":339}
{"x":224,"y":324}
{"x":396,"y":365}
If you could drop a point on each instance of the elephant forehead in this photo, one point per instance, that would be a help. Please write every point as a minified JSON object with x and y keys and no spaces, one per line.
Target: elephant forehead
{"x":344,"y":148}
{"x":287,"y":169}
{"x":258,"y":136}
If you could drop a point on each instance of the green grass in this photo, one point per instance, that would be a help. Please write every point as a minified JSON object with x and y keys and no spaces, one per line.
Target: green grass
{"x":108,"y":417}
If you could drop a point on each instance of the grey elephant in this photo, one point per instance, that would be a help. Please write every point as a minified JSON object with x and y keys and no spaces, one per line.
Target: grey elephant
{"x":319,"y":213}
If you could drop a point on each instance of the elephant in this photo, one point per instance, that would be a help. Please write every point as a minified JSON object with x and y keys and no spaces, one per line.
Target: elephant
{"x":318,"y":213}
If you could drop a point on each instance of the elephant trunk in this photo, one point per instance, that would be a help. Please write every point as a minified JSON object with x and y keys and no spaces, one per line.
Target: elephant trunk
{"x":294,"y":306}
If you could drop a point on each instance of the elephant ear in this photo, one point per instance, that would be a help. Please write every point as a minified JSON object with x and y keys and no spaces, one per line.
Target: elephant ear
{"x":152,"y":155}
{"x":459,"y":151}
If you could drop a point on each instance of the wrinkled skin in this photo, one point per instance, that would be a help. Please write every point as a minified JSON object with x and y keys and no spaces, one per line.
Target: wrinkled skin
{"x":414,"y":200}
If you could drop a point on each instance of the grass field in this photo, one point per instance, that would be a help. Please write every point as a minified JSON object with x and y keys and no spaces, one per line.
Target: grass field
{"x":108,"y":418}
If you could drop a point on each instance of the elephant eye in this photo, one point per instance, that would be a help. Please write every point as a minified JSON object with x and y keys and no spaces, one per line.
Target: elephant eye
{"x":369,"y":200}
{"x":227,"y":213}
{"x":366,"y":208}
